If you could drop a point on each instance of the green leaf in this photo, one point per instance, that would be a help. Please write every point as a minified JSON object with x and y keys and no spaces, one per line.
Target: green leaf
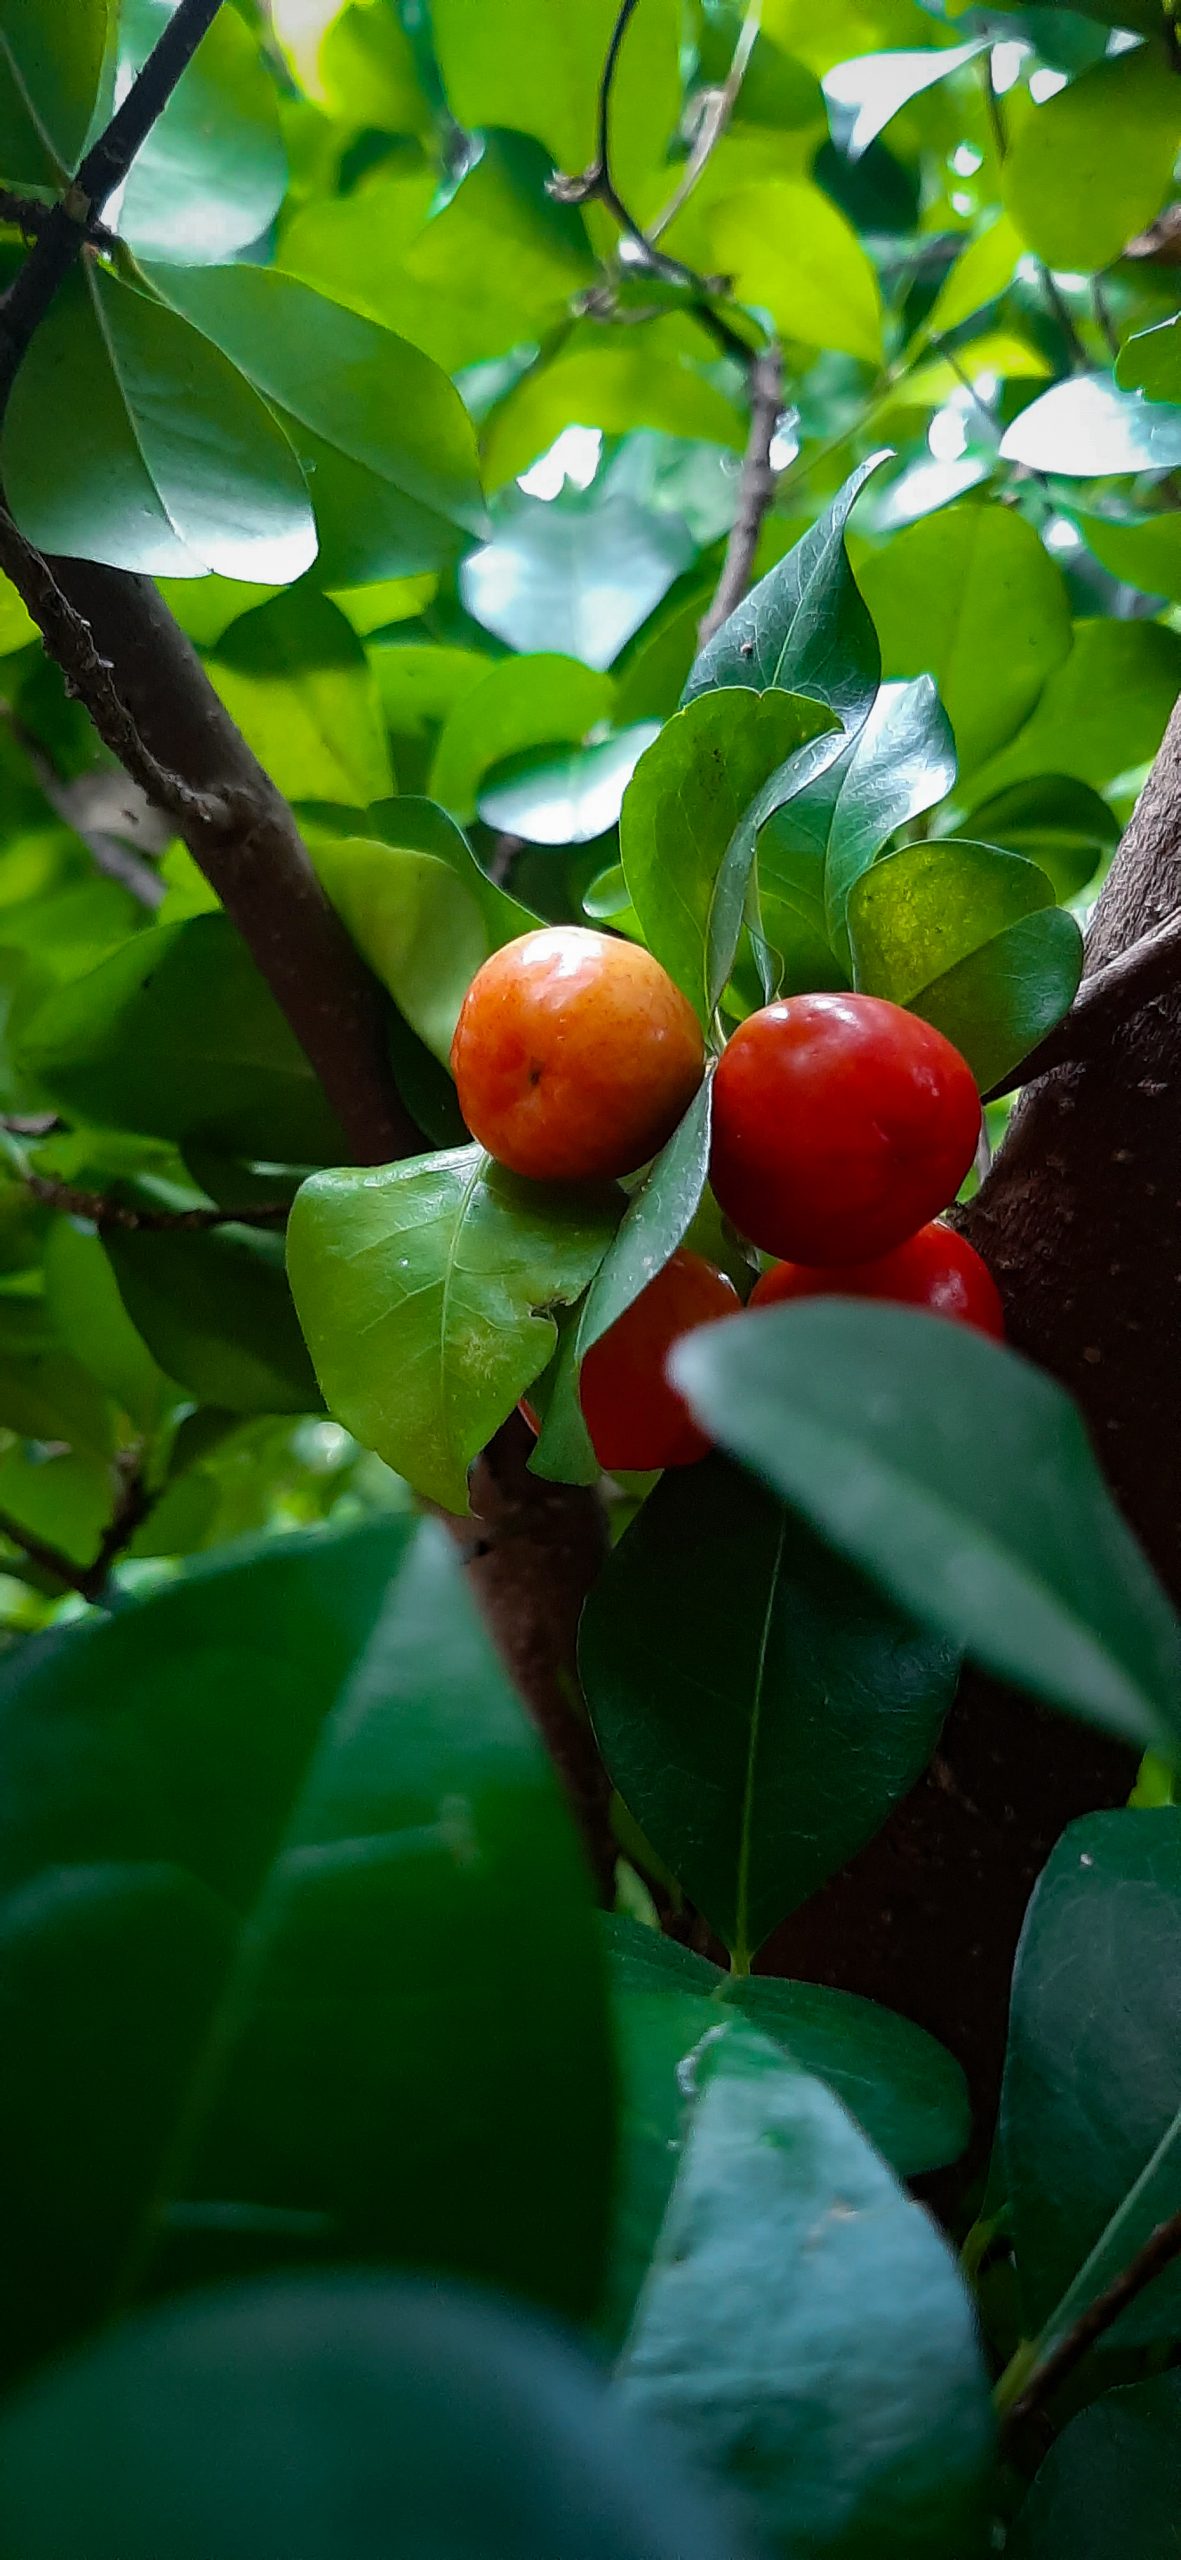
{"x":85,"y":1304}
{"x":899,"y":764}
{"x":1103,"y":713}
{"x":962,"y":1482}
{"x":295,"y":677}
{"x":682,"y":813}
{"x":805,"y":2330}
{"x":418,"y":823}
{"x":426,"y":1290}
{"x":758,"y":1707}
{"x":216,"y":1314}
{"x":657,"y":1219}
{"x":982,"y":271}
{"x":1151,"y":361}
{"x":519,"y":702}
{"x":260,"y":1780}
{"x":1091,"y":166}
{"x":1091,"y":2107}
{"x":1061,"y":825}
{"x":367,"y":71}
{"x":17,"y":626}
{"x":805,"y":626}
{"x":182,"y":468}
{"x":564,"y":799}
{"x":336,"y":2403}
{"x":420,"y":683}
{"x":970,"y":938}
{"x":383,"y":435}
{"x":971,"y":597}
{"x":617,"y":388}
{"x":178,"y":1035}
{"x":793,"y":255}
{"x":583,"y":581}
{"x":523,"y":64}
{"x":416,"y":923}
{"x":1145,"y":555}
{"x":1110,"y":2481}
{"x":1086,"y":429}
{"x":211,"y":175}
{"x":51,"y":72}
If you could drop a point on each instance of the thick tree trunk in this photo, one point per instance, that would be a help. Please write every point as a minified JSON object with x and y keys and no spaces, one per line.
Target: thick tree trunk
{"x":1080,"y":1220}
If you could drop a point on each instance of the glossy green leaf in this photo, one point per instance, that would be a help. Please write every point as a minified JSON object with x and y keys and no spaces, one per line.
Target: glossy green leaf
{"x":178,"y":1035}
{"x":519,"y":702}
{"x":971,"y":598}
{"x":970,"y":938}
{"x":1103,"y":713}
{"x":297,"y":681}
{"x":568,"y":798}
{"x":335,"y":2403}
{"x":582,"y":581}
{"x":215,"y":1312}
{"x":805,"y":626}
{"x":420,"y":683}
{"x":1091,"y":2107}
{"x":683,"y":811}
{"x":805,"y":2330}
{"x":1085,"y":428}
{"x":617,"y":388}
{"x":981,"y":272}
{"x":383,"y":435}
{"x":1061,"y":825}
{"x":758,"y":1707}
{"x":657,"y":1219}
{"x":84,"y":1301}
{"x":426,"y":1292}
{"x":1092,"y":165}
{"x":898,"y":765}
{"x":1145,"y":555}
{"x":1111,"y":2481}
{"x":961,"y":1480}
{"x":523,"y":64}
{"x":206,"y":1968}
{"x":793,"y":255}
{"x":417,"y":923}
{"x":1151,"y":361}
{"x":182,"y":468}
{"x":211,"y":175}
{"x":420,"y":824}
{"x":51,"y":73}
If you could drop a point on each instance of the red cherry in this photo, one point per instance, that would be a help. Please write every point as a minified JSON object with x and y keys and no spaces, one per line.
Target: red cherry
{"x":634,"y":1415}
{"x":937,"y":1269}
{"x":841,"y":1124}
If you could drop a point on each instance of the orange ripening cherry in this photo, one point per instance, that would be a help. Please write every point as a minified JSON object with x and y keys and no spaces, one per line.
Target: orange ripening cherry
{"x":574,"y":1055}
{"x":634,"y":1415}
{"x":841,"y":1124}
{"x":937,"y":1270}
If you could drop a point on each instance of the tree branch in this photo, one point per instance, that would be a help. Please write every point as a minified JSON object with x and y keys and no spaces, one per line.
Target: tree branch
{"x":116,"y":861}
{"x":756,"y":489}
{"x":1158,"y":2252}
{"x":104,"y":1212}
{"x":717,"y":109}
{"x":67,"y":224}
{"x":134,"y":1502}
{"x":1121,"y":987}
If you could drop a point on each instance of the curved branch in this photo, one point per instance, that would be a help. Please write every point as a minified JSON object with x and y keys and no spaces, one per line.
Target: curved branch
{"x":1039,"y":2382}
{"x":755,"y":492}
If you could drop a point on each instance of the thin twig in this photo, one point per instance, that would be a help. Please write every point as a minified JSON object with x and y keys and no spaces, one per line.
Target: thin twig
{"x":995,"y":112}
{"x":756,"y":489}
{"x":717,"y":108}
{"x":1102,"y":310}
{"x":1122,"y":987}
{"x":66,"y":227}
{"x":1060,"y":310}
{"x":29,"y":215}
{"x":1158,"y":2252}
{"x":597,"y":185}
{"x":104,"y":1212}
{"x":135,"y":1500}
{"x":115,"y":860}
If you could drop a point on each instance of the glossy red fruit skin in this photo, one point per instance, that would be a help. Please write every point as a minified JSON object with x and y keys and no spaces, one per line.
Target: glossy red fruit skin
{"x":633,"y":1413}
{"x":840,"y":1125}
{"x":575,"y":1056}
{"x":937,"y":1270}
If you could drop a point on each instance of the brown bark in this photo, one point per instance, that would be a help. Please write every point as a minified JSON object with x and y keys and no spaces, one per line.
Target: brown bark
{"x":1080,"y":1220}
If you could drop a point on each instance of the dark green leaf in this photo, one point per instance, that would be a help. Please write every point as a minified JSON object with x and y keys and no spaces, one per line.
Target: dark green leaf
{"x":1111,"y":2483}
{"x":968,"y":937}
{"x":223,"y":1807}
{"x":534,"y":701}
{"x":899,"y":763}
{"x":85,"y":1304}
{"x":51,"y":72}
{"x":759,"y":1708}
{"x":426,"y":1292}
{"x":962,"y":1482}
{"x":211,"y":175}
{"x":583,"y":581}
{"x":1146,"y":555}
{"x":178,"y":1035}
{"x":1151,"y":362}
{"x":682,"y":825}
{"x":805,"y":2329}
{"x":971,"y":597}
{"x":1061,"y":825}
{"x":382,"y":433}
{"x":215,"y":1312}
{"x":805,"y":626}
{"x":182,"y":467}
{"x":1091,"y":2108}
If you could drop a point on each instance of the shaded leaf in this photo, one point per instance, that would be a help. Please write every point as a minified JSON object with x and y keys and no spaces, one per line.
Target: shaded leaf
{"x":215,"y":1312}
{"x":1061,"y":825}
{"x":961,"y":1480}
{"x":1091,"y":166}
{"x":1150,"y":361}
{"x":973,"y":599}
{"x":519,"y":702}
{"x":1111,"y":2482}
{"x":1103,"y":712}
{"x":805,"y":626}
{"x":296,"y":679}
{"x":51,"y":73}
{"x":970,"y":938}
{"x":1145,"y":555}
{"x":616,"y":387}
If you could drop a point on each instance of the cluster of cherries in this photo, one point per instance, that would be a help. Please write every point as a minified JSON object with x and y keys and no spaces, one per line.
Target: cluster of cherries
{"x":841,"y":1125}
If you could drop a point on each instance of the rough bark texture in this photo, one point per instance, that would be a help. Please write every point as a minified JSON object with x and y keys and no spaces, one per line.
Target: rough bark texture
{"x":1080,"y":1220}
